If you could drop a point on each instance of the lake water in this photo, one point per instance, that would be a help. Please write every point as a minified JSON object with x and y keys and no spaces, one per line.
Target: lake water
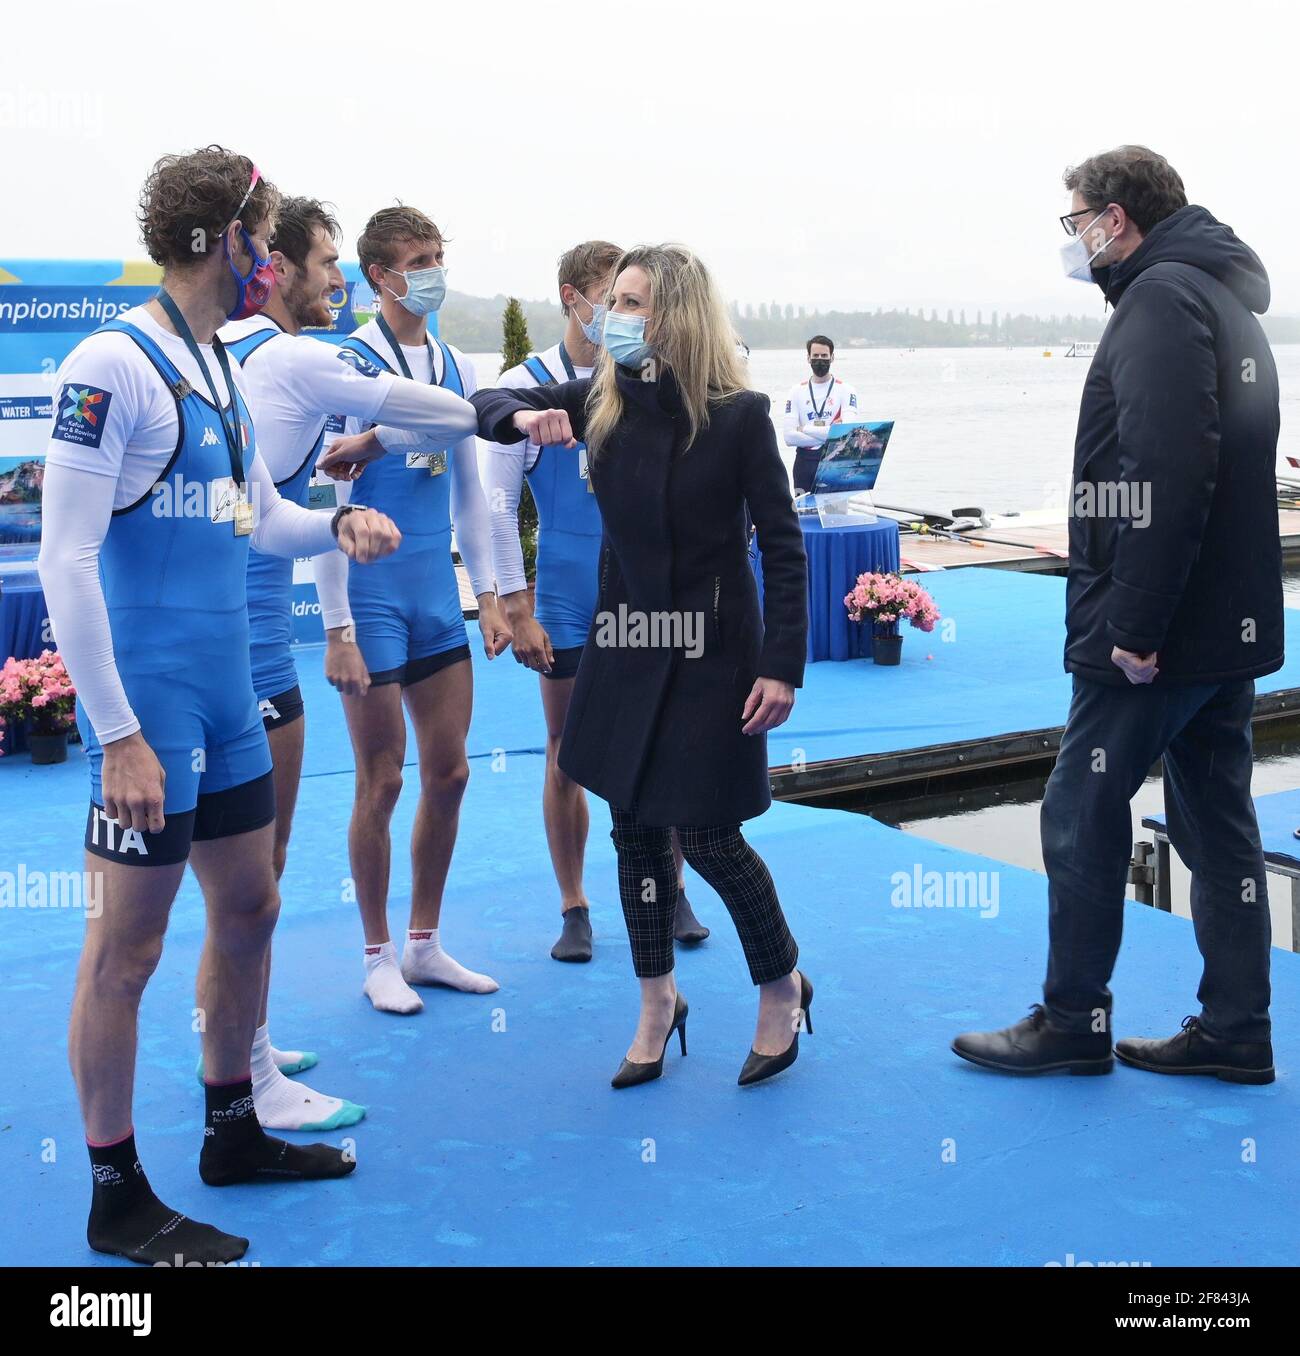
{"x":987,"y":426}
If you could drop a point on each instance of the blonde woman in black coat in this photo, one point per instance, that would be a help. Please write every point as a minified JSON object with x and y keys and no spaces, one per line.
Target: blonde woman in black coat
{"x":681,"y":676}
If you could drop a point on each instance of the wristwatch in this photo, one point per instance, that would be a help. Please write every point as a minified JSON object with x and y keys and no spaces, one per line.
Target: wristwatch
{"x":340,"y":513}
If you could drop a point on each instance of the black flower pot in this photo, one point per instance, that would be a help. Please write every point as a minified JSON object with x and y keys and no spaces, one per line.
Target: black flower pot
{"x":48,"y":748}
{"x":887,"y":649}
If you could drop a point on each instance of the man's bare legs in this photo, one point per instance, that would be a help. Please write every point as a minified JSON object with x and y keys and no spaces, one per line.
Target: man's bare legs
{"x":119,"y":954}
{"x":281,"y":1103}
{"x":440,"y":707}
{"x":242,"y":902}
{"x":237,"y":876}
{"x":121,"y":951}
{"x":567,"y":821}
{"x":378,"y":731}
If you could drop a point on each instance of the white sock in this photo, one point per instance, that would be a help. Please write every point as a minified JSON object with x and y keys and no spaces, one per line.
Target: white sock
{"x":283,"y":1104}
{"x":425,"y":962}
{"x":287,"y":1061}
{"x":294,"y":1061}
{"x":385,"y":987}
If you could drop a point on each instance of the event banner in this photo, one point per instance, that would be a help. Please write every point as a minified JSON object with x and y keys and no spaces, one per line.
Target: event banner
{"x":47,"y":306}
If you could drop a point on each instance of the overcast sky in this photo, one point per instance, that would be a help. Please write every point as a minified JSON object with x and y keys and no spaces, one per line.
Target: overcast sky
{"x":850,"y":155}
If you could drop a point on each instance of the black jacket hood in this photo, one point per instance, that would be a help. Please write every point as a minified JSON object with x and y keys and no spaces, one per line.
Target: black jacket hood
{"x":1192,"y":236}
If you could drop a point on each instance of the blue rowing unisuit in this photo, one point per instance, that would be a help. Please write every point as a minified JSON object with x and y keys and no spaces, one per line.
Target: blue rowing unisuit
{"x":174,"y":586}
{"x":568,"y":536}
{"x":270,"y":578}
{"x":407,"y":605}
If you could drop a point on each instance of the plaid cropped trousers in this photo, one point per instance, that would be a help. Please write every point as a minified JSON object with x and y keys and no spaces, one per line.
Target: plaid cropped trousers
{"x":647,"y":887}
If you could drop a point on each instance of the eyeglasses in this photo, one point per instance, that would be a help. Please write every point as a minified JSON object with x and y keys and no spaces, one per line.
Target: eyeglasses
{"x":1068,"y":223}
{"x":243,"y":202}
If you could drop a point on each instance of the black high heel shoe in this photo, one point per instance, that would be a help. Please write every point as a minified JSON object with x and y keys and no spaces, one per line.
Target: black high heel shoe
{"x":631,"y":1072}
{"x":758,"y":1067}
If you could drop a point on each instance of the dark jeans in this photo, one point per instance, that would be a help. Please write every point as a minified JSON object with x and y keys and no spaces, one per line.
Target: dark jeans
{"x":1112,"y":738}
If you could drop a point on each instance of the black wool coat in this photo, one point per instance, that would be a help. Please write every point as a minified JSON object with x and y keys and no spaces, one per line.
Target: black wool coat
{"x":1180,"y":414}
{"x":656,"y":728}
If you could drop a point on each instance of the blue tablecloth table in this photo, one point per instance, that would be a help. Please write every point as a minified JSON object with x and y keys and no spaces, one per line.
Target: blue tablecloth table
{"x":836,"y":556}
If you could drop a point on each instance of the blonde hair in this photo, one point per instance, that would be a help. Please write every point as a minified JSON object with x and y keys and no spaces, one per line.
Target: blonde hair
{"x":691,"y":334}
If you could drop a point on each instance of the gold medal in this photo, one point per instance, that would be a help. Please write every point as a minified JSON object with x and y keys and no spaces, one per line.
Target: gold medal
{"x":243,"y":518}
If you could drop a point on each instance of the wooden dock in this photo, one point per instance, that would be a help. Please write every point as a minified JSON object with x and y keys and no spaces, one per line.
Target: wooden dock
{"x":1036,"y":547}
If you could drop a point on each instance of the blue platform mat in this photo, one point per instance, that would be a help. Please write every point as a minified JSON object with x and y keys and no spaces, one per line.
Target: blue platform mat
{"x":493,"y":1136}
{"x":1279,"y":817}
{"x":992,"y":667}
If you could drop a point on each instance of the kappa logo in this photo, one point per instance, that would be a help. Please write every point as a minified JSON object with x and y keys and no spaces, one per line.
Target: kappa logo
{"x":82,"y":414}
{"x":266,"y":709}
{"x":354,"y":360}
{"x":209,"y":438}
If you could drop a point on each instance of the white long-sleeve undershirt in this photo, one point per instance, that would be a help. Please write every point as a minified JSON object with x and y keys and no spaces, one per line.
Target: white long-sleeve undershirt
{"x":77,"y":510}
{"x":404,"y":425}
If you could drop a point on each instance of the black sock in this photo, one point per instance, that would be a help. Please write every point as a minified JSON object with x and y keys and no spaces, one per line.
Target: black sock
{"x":575,"y":937}
{"x":237,"y":1149}
{"x":128,"y":1220}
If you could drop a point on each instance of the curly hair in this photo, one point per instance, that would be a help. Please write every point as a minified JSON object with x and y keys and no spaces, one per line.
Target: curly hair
{"x":1143,"y":183}
{"x":392,"y":226}
{"x":188,"y":201}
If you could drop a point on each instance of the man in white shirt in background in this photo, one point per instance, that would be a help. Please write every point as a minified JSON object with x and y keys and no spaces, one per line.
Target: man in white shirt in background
{"x":812,"y":407}
{"x":294,"y":381}
{"x":550,"y":630}
{"x":153,"y":492}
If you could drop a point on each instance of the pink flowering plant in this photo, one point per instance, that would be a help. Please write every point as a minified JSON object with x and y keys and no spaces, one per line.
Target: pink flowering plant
{"x":884,"y":600}
{"x":38,"y":691}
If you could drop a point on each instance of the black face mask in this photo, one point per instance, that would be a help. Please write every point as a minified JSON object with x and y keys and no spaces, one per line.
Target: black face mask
{"x":820,"y":366}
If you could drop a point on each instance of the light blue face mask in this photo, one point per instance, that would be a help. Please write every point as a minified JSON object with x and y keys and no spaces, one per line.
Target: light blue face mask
{"x":594,"y":329}
{"x":625,"y":339}
{"x":425,"y":290}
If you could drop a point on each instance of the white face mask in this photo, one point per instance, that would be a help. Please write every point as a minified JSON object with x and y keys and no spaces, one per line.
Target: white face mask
{"x":1075,"y":258}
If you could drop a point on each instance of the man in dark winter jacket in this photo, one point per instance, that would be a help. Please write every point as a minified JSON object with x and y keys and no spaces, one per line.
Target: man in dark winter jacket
{"x":1173,"y":608}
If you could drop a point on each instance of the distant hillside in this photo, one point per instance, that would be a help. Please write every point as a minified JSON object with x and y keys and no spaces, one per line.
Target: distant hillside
{"x":474,"y":325}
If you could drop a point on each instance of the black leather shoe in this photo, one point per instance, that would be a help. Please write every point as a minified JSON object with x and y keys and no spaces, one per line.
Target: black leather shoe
{"x":631,"y":1071}
{"x":1035,"y":1046}
{"x":686,"y":927}
{"x":1194,"y":1051}
{"x":759,"y":1067}
{"x":575,"y":939}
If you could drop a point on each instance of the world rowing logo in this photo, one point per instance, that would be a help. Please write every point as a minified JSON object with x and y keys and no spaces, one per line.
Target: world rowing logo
{"x":83,"y":412}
